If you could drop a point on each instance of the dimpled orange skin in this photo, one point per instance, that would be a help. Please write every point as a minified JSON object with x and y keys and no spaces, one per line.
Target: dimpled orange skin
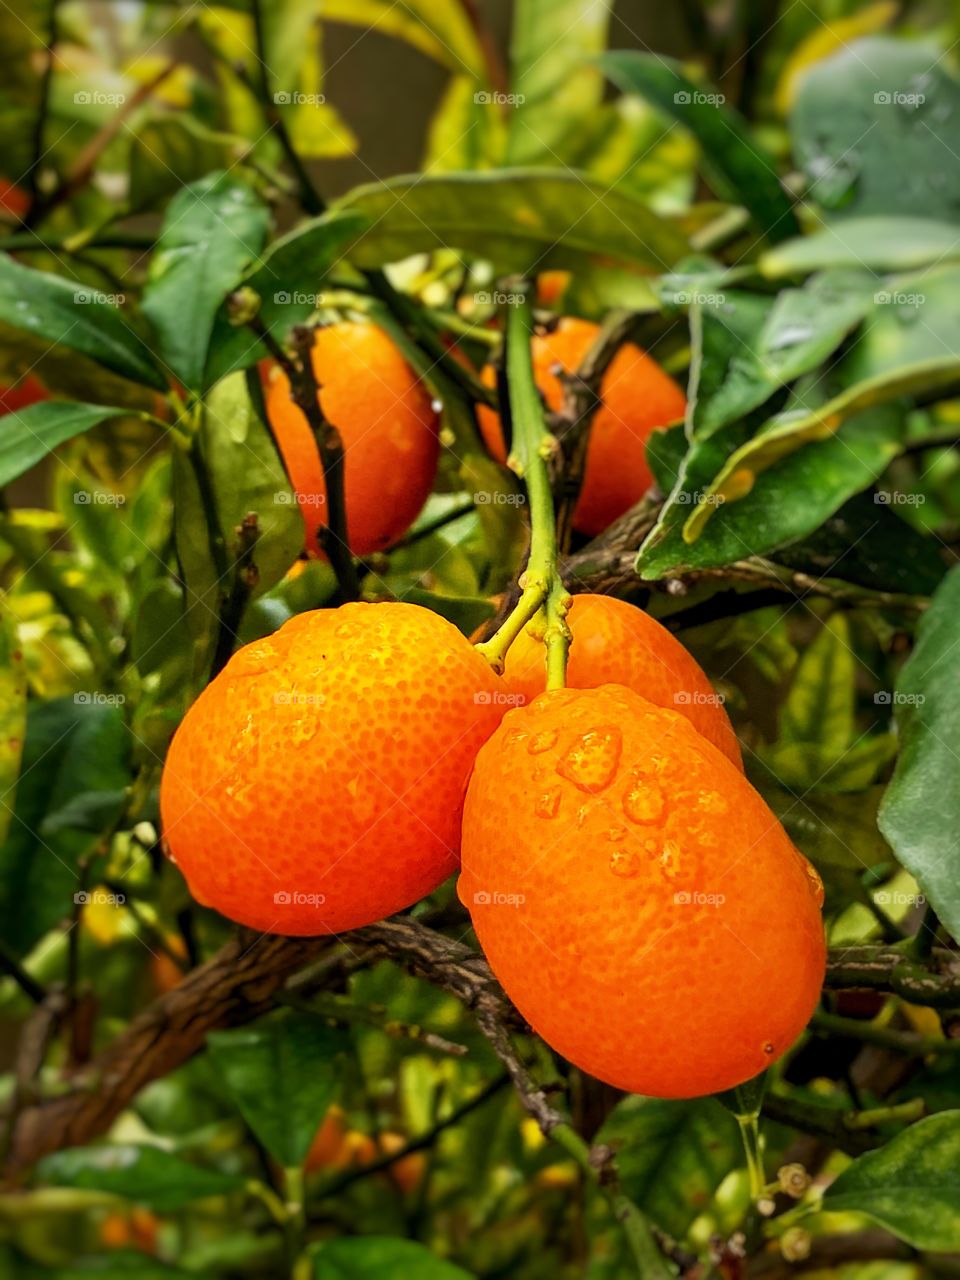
{"x":388,"y":427}
{"x":317,"y":783}
{"x":616,"y":643}
{"x":638,"y":397}
{"x":638,"y":901}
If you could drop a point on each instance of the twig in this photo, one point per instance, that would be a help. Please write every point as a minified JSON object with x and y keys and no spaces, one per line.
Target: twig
{"x":39,"y":128}
{"x":245,"y":578}
{"x":11,"y":966}
{"x":884,"y":1037}
{"x":891,"y":968}
{"x":342,"y":1010}
{"x":496,"y":71}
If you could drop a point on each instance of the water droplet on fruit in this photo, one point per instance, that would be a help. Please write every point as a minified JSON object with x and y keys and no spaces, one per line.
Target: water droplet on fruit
{"x":711,"y":802}
{"x":624,"y":864}
{"x":670,"y":859}
{"x":514,"y":737}
{"x":542,"y":741}
{"x":591,"y":762}
{"x":616,"y":833}
{"x":767,"y":1047}
{"x":643,"y":801}
{"x":548,"y":804}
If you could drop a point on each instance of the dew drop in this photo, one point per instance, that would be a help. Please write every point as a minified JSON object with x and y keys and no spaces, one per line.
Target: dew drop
{"x":624,"y":864}
{"x":670,"y":859}
{"x":767,"y":1047}
{"x":542,"y":741}
{"x":711,"y":802}
{"x":616,"y":833}
{"x":548,"y":804}
{"x":515,"y":736}
{"x":592,"y":760}
{"x":644,"y":800}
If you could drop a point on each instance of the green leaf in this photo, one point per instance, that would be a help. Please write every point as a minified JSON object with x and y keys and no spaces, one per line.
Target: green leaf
{"x":13,"y":715}
{"x":72,"y":788}
{"x":919,"y":814}
{"x":751,"y":345}
{"x":881,"y":243}
{"x":519,"y":218}
{"x":169,"y":151}
{"x":282,"y":1073}
{"x":735,"y":163}
{"x":145,"y":1174}
{"x":286,"y":280}
{"x":911,"y":1186}
{"x":911,"y":344}
{"x":246,"y":474}
{"x":28,"y":435}
{"x":71,"y":315}
{"x":212,"y":230}
{"x":381,"y":1258}
{"x":786,"y":503}
{"x":554,"y":75}
{"x":438,"y":28}
{"x":671,"y":1155}
{"x":865,"y":142}
{"x":819,"y":706}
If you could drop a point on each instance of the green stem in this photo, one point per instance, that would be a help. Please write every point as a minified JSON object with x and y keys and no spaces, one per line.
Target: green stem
{"x":750,"y":1133}
{"x":540,"y":584}
{"x":883,"y":1037}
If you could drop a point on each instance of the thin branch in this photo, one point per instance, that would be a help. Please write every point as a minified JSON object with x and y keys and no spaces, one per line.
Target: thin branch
{"x":10,"y":965}
{"x":43,"y":110}
{"x":246,"y":575}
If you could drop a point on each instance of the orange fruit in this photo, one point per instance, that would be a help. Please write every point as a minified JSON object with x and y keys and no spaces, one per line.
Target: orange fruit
{"x":316,"y":784}
{"x":21,"y":394}
{"x":13,"y":199}
{"x":336,"y":1147}
{"x":389,"y":431}
{"x":638,"y":397}
{"x":134,"y":1230}
{"x":638,"y":901}
{"x":407,"y":1173}
{"x":617,"y":643}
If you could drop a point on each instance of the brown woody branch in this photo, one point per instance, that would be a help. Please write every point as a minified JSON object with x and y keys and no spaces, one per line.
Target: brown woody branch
{"x":246,"y":977}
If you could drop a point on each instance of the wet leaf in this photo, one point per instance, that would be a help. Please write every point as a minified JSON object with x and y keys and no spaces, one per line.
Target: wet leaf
{"x":145,"y":1174}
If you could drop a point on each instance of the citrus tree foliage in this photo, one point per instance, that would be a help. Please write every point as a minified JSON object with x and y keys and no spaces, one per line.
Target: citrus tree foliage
{"x":775,"y":218}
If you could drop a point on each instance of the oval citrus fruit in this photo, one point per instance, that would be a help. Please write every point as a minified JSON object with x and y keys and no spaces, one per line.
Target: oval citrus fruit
{"x":616,"y":643}
{"x":389,"y":431}
{"x":635,"y":896}
{"x":638,"y":397}
{"x":317,"y":783}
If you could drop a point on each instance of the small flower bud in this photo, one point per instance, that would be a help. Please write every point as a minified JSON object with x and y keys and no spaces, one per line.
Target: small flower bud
{"x":793,"y":1179}
{"x":795,"y":1244}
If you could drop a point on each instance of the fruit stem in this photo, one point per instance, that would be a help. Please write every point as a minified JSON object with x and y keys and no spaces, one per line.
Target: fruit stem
{"x":533,"y":445}
{"x":750,"y":1133}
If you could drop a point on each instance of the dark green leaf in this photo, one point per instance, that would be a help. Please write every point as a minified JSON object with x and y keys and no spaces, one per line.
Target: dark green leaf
{"x":873,"y":128}
{"x":145,"y":1174}
{"x":735,"y":162}
{"x":786,"y":503}
{"x":381,"y":1258}
{"x":819,"y":706}
{"x":27,"y":435}
{"x":282,"y":1072}
{"x":751,"y":345}
{"x":521,"y":219}
{"x":67,"y":314}
{"x":919,"y":815}
{"x":672,"y":1155}
{"x":72,"y":787}
{"x":286,"y":280}
{"x":213,"y":229}
{"x":911,"y":1186}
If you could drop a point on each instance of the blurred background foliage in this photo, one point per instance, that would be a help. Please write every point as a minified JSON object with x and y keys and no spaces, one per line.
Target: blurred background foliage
{"x":774,"y":190}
